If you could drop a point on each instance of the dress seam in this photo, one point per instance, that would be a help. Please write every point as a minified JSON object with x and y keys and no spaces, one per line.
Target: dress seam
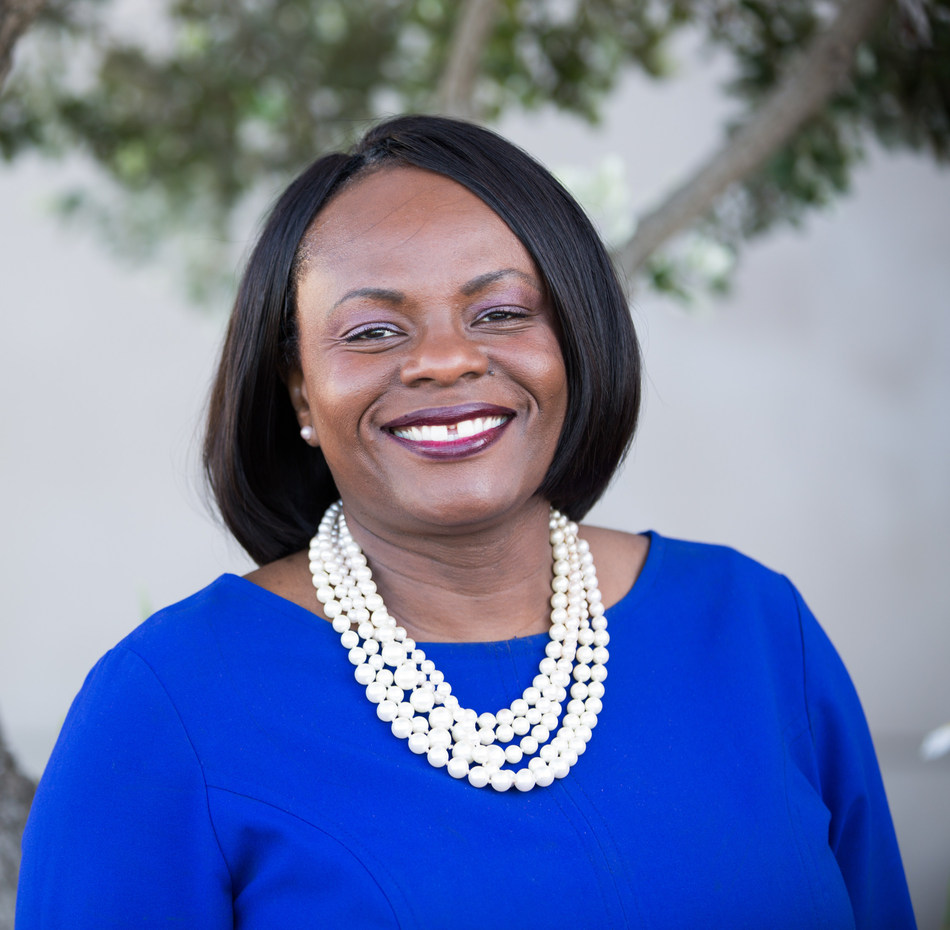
{"x":204,"y":778}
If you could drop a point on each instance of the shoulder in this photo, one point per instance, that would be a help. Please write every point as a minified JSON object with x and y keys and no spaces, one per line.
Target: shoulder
{"x":619,"y":558}
{"x":625,"y":560}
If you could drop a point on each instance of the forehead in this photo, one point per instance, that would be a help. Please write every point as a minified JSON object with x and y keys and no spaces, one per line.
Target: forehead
{"x":396,"y":212}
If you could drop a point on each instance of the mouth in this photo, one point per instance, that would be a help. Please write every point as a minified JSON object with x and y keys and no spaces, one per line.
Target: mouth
{"x":450,"y":432}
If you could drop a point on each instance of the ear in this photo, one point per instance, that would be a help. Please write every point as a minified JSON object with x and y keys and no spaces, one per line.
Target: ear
{"x":297,"y":387}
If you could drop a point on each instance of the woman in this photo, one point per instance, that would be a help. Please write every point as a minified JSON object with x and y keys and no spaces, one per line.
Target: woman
{"x":430,"y":330}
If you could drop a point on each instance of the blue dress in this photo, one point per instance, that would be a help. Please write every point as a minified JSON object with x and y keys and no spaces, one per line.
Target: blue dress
{"x":222,"y":768}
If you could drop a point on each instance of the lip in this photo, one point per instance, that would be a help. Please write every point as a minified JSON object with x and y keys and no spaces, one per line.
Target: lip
{"x":459,"y":447}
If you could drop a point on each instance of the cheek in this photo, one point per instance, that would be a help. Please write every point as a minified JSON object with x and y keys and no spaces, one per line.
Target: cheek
{"x":341,"y":396}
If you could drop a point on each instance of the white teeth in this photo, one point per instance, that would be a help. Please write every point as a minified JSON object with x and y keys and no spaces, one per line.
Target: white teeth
{"x":464,"y":429}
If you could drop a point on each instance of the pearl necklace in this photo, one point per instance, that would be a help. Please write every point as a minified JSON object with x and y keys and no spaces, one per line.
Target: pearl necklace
{"x":412,"y":695}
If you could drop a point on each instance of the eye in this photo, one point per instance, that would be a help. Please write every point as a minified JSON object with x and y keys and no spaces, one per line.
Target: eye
{"x":502,"y":315}
{"x":372,"y":332}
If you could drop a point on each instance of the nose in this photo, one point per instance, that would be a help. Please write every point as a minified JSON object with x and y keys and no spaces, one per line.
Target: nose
{"x":444,"y":353}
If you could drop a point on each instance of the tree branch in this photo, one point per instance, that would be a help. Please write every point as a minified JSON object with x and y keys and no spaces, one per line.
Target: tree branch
{"x":16,"y":795}
{"x":456,"y":92}
{"x":799,"y":95}
{"x":15,"y":18}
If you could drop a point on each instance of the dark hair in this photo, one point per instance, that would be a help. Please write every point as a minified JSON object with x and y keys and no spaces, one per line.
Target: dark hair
{"x":271,"y":487}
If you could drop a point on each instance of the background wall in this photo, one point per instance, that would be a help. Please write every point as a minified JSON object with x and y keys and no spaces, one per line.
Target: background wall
{"x":802,"y":420}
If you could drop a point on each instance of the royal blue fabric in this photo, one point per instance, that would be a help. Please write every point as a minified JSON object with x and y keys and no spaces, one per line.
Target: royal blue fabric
{"x":222,"y":768}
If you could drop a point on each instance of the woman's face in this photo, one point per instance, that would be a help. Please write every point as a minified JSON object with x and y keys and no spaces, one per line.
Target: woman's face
{"x":430,"y":369}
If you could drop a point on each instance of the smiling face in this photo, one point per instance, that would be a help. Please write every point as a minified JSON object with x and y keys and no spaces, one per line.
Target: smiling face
{"x":430,"y":369}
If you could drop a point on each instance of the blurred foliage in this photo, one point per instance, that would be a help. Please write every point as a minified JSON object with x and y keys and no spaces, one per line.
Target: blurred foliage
{"x":195,"y":108}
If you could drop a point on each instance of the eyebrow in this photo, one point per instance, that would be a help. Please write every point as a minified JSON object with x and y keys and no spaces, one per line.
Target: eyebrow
{"x":483,"y":280}
{"x":376,"y":293}
{"x":468,"y":289}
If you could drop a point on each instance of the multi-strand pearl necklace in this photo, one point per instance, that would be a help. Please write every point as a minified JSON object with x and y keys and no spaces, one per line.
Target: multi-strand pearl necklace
{"x":413,"y":697}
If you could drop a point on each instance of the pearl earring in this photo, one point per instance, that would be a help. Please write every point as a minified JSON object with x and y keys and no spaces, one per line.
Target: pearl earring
{"x":306,"y":433}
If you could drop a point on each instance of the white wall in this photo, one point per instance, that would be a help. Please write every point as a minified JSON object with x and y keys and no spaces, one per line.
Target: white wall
{"x":802,"y":420}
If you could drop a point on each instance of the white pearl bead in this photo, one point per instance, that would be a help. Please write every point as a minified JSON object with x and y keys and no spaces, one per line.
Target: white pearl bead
{"x":393,"y":653}
{"x":395,"y":694}
{"x":580,"y":690}
{"x":406,"y":676}
{"x":494,"y":757}
{"x":357,"y":656}
{"x":462,"y":731}
{"x":594,"y":705}
{"x":478,"y":776}
{"x":560,"y":768}
{"x":486,"y":721}
{"x":437,"y":756}
{"x":540,"y":733}
{"x":419,"y":743}
{"x":513,"y":754}
{"x":504,"y":733}
{"x":420,"y":725}
{"x":340,"y":623}
{"x":385,"y":710}
{"x":520,"y":726}
{"x":597,"y":672}
{"x":440,"y":717}
{"x":525,"y":779}
{"x":439,"y":736}
{"x":504,"y":717}
{"x":364,"y":674}
{"x":457,"y":768}
{"x":464,"y":751}
{"x":529,"y":745}
{"x":375,"y":692}
{"x":543,"y":776}
{"x":502,"y":780}
{"x":401,"y":727}
{"x":519,"y":707}
{"x":404,"y":709}
{"x":422,"y":701}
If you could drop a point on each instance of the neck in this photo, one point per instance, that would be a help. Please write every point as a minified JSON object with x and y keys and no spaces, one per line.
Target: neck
{"x":491,"y":583}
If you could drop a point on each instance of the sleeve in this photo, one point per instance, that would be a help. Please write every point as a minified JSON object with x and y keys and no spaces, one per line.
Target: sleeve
{"x":119,"y":834}
{"x":860,"y":832}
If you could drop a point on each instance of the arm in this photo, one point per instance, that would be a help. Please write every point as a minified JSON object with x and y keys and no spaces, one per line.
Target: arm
{"x":120,"y":834}
{"x":860,"y":832}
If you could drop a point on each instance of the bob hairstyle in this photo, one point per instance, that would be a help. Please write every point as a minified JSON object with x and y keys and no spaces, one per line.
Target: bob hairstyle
{"x":271,"y":487}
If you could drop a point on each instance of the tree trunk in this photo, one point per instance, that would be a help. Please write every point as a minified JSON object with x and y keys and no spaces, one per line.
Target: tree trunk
{"x":799,"y":95}
{"x":16,"y":795}
{"x":456,"y":92}
{"x":15,"y":17}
